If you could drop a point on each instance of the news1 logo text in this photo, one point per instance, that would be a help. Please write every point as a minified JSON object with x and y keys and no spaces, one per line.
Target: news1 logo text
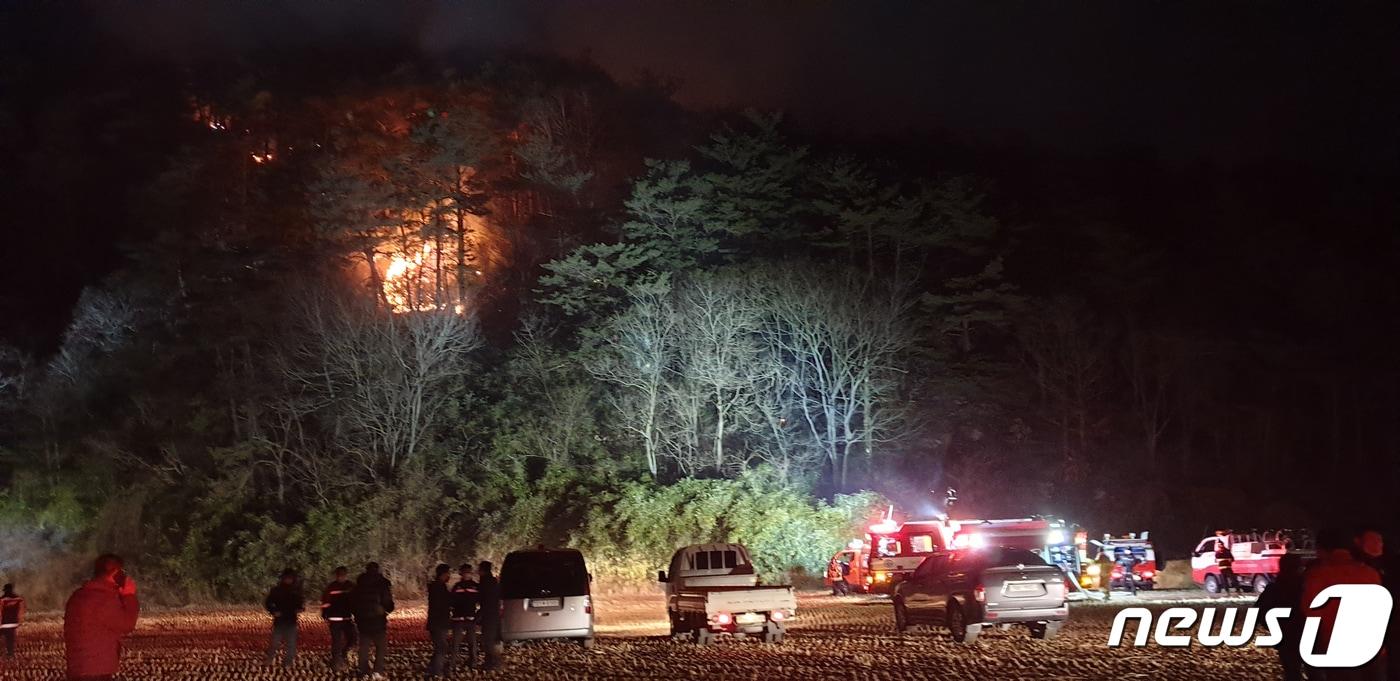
{"x":1358,"y":632}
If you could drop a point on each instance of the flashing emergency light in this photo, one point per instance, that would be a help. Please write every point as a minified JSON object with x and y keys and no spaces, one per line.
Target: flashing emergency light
{"x":1055,"y":537}
{"x":885,"y":526}
{"x":855,"y":544}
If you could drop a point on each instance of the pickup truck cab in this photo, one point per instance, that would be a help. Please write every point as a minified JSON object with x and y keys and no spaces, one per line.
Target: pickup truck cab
{"x":972,"y":588}
{"x":713,"y":589}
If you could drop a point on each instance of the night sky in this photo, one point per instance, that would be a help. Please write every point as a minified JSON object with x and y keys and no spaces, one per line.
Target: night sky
{"x":1305,"y":86}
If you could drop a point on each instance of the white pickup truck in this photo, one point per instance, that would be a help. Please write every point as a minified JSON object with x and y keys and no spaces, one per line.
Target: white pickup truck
{"x":712,"y":589}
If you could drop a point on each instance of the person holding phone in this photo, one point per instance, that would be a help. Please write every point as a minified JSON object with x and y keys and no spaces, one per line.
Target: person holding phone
{"x":98,"y":615}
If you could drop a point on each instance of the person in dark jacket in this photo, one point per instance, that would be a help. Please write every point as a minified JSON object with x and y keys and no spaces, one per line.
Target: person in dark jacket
{"x":1225,"y":560}
{"x":335,"y":609}
{"x":489,"y":615}
{"x":284,"y":603}
{"x":371,"y":601}
{"x":1286,"y":591}
{"x":98,"y":615}
{"x":12,"y":609}
{"x":464,"y":601}
{"x":440,"y":619}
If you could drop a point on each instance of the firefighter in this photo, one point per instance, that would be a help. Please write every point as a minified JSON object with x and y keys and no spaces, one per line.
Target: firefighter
{"x":1105,"y":565}
{"x":284,"y":602}
{"x":1225,"y":560}
{"x":335,"y":609}
{"x":845,"y":578}
{"x":833,"y":574}
{"x":464,"y":601}
{"x":1128,"y":561}
{"x":489,"y":616}
{"x":12,"y":608}
{"x":439,"y":619}
{"x":371,"y":601}
{"x":98,"y":615}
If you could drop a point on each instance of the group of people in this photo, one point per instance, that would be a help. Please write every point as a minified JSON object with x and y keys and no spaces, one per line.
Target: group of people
{"x":465,"y":615}
{"x":1343,"y":557}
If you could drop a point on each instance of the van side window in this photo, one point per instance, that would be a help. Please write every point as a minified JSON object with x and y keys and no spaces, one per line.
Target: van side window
{"x":702,"y":560}
{"x":731,"y":558}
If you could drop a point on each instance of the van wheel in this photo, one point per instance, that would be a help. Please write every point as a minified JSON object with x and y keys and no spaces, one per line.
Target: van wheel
{"x":901,"y":616}
{"x":1045,"y":631}
{"x":585,"y":642}
{"x":1212,"y":584}
{"x":1261,"y":582}
{"x":957,"y":624}
{"x":703,"y":637}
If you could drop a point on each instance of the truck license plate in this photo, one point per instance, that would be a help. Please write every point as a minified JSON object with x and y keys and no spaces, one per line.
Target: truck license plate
{"x":749,"y":618}
{"x":545,"y":602}
{"x":1022,"y":588}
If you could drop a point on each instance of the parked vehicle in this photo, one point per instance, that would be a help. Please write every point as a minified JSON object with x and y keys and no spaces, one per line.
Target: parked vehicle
{"x":1144,"y":572}
{"x":545,"y":594}
{"x":892,"y":550}
{"x":969,"y":589}
{"x":713,"y":589}
{"x":1050,"y":538}
{"x":1255,"y":556}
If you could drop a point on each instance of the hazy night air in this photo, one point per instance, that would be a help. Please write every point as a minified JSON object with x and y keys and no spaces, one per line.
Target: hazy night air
{"x":839,"y":317}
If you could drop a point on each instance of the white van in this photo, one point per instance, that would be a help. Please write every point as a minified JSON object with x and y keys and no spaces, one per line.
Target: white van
{"x":545,"y":594}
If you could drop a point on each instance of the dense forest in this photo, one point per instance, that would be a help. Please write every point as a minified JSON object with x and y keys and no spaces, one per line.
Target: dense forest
{"x":427,"y":312}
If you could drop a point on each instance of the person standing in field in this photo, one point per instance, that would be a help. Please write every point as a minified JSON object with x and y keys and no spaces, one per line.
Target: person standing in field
{"x":285,"y":602}
{"x":489,"y":616}
{"x":371,"y":601}
{"x":102,"y":611}
{"x":464,"y":600}
{"x":1225,"y":560}
{"x":12,"y":609}
{"x":335,"y":609}
{"x":440,"y":619}
{"x":1286,"y":591}
{"x":1336,"y":564}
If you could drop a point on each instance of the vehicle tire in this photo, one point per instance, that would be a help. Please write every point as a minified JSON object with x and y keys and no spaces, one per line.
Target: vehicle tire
{"x":1212,"y":584}
{"x":773,"y":633}
{"x":901,"y":617}
{"x":956,"y":620}
{"x":1260,"y":583}
{"x":704,"y":637}
{"x":586,"y":642}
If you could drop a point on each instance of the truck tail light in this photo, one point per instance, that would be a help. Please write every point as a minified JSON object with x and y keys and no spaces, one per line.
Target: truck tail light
{"x":777,"y":616}
{"x":723,"y":619}
{"x":979,"y":593}
{"x":1148,"y":574}
{"x":588,"y":605}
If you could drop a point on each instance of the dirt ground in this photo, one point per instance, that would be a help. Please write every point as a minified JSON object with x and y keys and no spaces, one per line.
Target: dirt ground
{"x":832,"y":638}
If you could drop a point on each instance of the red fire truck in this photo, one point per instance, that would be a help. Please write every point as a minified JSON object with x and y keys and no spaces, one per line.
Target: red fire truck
{"x":1255,"y":555}
{"x":1144,"y":571}
{"x":1051,"y":538}
{"x":891,"y":550}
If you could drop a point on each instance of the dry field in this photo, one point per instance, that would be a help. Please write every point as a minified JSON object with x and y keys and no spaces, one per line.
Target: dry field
{"x":833,"y":638}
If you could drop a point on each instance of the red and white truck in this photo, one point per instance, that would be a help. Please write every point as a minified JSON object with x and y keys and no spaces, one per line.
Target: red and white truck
{"x":1255,"y":555}
{"x":891,"y":550}
{"x":1144,"y":569}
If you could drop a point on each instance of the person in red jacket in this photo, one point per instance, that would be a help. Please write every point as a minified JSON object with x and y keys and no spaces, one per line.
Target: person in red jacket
{"x":1335,"y":564}
{"x":98,"y":615}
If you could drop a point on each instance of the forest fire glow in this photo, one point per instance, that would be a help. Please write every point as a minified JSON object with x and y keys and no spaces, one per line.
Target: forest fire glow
{"x":410,"y":283}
